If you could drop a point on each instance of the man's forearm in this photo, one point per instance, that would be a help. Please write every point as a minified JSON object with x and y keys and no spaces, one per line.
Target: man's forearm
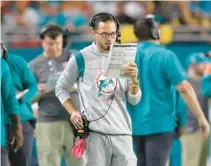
{"x":191,"y":100}
{"x":134,"y":94}
{"x":15,"y":119}
{"x":69,"y":106}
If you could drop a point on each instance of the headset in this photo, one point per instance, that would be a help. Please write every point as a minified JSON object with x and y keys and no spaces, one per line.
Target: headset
{"x":153,"y":26}
{"x":154,"y":29}
{"x":3,"y":50}
{"x":51,"y":27}
{"x":94,"y":20}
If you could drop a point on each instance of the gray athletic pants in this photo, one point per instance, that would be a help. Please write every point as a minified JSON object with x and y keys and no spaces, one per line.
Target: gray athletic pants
{"x":110,"y":150}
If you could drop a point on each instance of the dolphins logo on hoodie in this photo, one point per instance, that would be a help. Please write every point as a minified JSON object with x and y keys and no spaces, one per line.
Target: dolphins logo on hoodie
{"x":105,"y":86}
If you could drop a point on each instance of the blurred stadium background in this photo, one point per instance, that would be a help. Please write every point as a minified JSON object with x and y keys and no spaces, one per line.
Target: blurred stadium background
{"x":185,"y":25}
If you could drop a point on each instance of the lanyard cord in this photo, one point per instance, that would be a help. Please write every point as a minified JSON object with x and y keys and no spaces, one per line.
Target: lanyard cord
{"x":112,"y":99}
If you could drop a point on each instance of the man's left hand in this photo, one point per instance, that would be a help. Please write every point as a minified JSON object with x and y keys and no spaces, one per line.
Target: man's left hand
{"x":180,"y":131}
{"x":130,"y":70}
{"x":205,"y":127}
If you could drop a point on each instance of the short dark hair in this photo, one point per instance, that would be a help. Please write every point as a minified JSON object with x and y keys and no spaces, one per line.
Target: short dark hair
{"x":101,"y":18}
{"x":52,"y":31}
{"x":53,"y":34}
{"x":143,"y":29}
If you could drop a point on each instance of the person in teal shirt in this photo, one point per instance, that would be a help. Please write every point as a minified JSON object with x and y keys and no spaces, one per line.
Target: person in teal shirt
{"x":9,"y":105}
{"x":23,"y":80}
{"x":198,"y":155}
{"x":153,"y":118}
{"x":175,"y":158}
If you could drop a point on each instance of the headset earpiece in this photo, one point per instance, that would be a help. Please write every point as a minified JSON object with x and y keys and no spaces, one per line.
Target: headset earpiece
{"x":4,"y":50}
{"x":154,"y":31}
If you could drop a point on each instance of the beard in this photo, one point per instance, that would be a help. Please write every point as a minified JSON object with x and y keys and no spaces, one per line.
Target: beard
{"x":107,"y":47}
{"x":104,"y":46}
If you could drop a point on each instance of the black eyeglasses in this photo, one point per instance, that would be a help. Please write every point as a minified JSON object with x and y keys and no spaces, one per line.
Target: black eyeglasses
{"x":106,"y":35}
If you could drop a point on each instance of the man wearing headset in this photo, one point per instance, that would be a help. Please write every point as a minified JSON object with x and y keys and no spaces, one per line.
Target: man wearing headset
{"x":53,"y":130}
{"x":109,"y":141}
{"x":9,"y":105}
{"x":153,"y":119}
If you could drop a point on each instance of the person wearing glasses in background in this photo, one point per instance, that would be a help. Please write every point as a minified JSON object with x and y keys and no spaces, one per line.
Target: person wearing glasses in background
{"x":54,"y":135}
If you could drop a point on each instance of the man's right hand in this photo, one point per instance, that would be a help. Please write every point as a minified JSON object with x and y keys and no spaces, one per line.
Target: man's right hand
{"x":189,"y":95}
{"x":17,"y":140}
{"x":76,"y":119}
{"x":205,"y":127}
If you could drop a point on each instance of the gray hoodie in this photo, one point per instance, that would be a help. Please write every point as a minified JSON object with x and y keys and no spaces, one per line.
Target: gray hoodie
{"x":95,"y":92}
